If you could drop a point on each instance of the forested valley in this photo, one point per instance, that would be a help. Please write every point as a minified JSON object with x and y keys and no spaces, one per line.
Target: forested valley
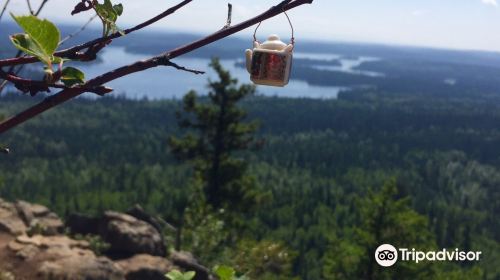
{"x":324,"y":172}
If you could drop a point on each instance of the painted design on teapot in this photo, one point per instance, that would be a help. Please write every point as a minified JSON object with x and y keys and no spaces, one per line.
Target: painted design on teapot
{"x":270,"y":63}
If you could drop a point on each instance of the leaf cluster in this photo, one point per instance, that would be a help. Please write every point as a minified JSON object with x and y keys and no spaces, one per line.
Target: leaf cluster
{"x":41,"y":39}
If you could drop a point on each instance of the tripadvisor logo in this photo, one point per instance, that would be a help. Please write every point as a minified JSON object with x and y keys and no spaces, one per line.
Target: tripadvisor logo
{"x":387,"y":255}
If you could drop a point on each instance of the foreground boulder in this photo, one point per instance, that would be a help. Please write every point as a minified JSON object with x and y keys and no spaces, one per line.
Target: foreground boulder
{"x":55,"y":258}
{"x":126,"y":235}
{"x":33,"y":246}
{"x":22,"y":217}
{"x":129,"y":236}
{"x":39,"y":218}
{"x":10,"y":222}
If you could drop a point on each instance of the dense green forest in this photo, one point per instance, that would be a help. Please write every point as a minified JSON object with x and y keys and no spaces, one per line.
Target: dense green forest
{"x":325,"y":171}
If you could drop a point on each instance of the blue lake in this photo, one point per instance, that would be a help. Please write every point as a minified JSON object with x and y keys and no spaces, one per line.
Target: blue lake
{"x":168,"y":83}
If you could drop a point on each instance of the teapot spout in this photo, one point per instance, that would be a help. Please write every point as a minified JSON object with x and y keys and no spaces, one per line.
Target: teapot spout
{"x":249,"y":54}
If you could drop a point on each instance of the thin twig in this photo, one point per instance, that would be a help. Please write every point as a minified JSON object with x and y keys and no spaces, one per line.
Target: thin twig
{"x":142,"y":65}
{"x":30,"y":8}
{"x":229,"y":15}
{"x":4,"y":8}
{"x":79,"y":30}
{"x":182,"y":68}
{"x":40,"y":8}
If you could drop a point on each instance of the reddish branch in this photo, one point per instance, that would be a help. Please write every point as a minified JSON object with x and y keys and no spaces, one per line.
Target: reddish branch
{"x":33,"y":86}
{"x":19,"y":53}
{"x":160,"y":60}
{"x":74,"y":52}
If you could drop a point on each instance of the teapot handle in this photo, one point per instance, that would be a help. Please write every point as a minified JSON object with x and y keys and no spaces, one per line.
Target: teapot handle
{"x":292,"y":40}
{"x":249,"y":54}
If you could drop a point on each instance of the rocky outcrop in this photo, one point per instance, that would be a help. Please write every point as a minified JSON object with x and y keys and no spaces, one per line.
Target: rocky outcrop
{"x":39,"y":218}
{"x":126,"y":234}
{"x":10,"y":222}
{"x":22,"y":217}
{"x":33,"y":247}
{"x":129,"y":236}
{"x":139,"y":213}
{"x":56,"y":258}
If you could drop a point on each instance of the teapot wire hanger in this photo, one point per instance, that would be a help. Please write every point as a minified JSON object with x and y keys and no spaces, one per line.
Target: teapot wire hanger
{"x":292,"y":40}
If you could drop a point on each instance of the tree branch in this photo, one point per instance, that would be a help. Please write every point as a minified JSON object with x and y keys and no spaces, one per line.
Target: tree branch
{"x":229,"y":15}
{"x":4,"y":8}
{"x":74,"y":52}
{"x":138,"y":66}
{"x":40,"y":8}
{"x":33,"y":86}
{"x":19,"y":53}
{"x":32,"y":12}
{"x":167,"y":62}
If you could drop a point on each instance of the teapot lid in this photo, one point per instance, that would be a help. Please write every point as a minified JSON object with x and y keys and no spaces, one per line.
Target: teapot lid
{"x":273,"y":43}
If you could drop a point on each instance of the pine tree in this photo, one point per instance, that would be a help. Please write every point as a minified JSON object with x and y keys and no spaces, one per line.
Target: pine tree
{"x":216,"y":129}
{"x":385,"y":217}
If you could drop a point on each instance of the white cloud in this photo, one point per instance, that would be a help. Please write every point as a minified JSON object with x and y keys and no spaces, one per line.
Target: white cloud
{"x":490,"y":2}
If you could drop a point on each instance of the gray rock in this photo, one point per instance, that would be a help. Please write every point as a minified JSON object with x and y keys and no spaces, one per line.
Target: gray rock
{"x":148,"y":267}
{"x":39,"y":218}
{"x":80,"y":268}
{"x":130,"y":236}
{"x":187,"y":262}
{"x":126,"y":235}
{"x":58,"y":258}
{"x":83,"y":224}
{"x":10,"y":222}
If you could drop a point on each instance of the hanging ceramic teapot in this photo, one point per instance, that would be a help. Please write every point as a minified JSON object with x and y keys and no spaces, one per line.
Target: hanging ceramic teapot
{"x":270,"y":63}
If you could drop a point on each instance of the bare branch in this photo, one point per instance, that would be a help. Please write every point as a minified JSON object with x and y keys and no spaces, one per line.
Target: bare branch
{"x":30,"y":8}
{"x":273,"y":11}
{"x":40,"y":8}
{"x":229,"y":15}
{"x":167,"y":62}
{"x":139,"y":66}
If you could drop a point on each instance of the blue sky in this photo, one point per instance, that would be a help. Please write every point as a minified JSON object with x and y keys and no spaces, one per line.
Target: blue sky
{"x":458,"y":24}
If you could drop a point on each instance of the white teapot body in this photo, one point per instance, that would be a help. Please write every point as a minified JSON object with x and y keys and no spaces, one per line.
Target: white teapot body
{"x":270,"y":63}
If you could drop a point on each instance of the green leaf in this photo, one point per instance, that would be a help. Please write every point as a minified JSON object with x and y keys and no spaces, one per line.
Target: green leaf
{"x":41,"y":37}
{"x":118,"y":9}
{"x":189,"y":275}
{"x":109,"y":13}
{"x":225,"y":272}
{"x":177,"y":275}
{"x":24,"y":43}
{"x":72,"y":76}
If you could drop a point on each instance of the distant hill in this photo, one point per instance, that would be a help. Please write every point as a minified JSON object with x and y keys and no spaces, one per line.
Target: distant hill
{"x":154,"y":42}
{"x":405,"y":69}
